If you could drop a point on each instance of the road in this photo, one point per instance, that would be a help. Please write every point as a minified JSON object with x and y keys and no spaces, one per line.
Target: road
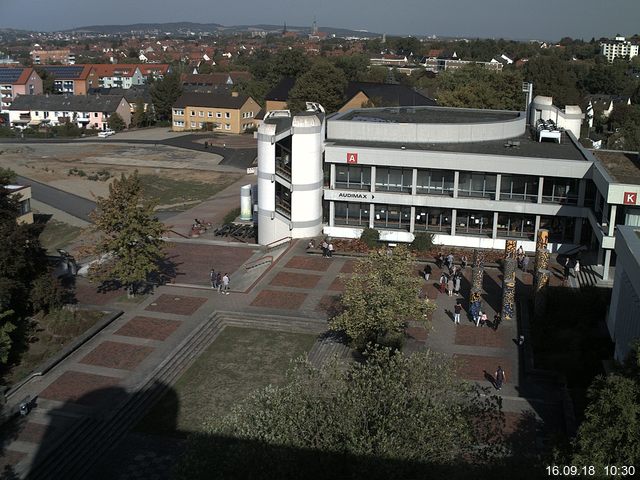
{"x":68,"y":202}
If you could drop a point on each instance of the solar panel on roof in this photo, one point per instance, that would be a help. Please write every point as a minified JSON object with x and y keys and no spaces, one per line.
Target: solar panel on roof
{"x":10,"y":75}
{"x":64,"y":71}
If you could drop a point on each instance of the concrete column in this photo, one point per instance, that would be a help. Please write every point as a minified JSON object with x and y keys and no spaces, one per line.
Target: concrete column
{"x":371,"y":214}
{"x":613,"y":210}
{"x":498,"y":185}
{"x":332,"y":178}
{"x":373,"y":179}
{"x":596,"y":201}
{"x":414,"y":186}
{"x":332,"y":213}
{"x":607,"y":264}
{"x":536,"y":226}
{"x":577,"y":231}
{"x":605,"y":213}
{"x":494,"y":234}
{"x":412,"y":223}
{"x":540,"y":189}
{"x":456,"y":180}
{"x":453,"y":220}
{"x":582,"y":189}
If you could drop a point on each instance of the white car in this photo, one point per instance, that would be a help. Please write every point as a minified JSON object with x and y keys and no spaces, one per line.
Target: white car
{"x":106,"y":133}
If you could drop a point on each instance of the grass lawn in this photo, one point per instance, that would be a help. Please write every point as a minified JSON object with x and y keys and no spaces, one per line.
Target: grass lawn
{"x":58,"y":234}
{"x":238,"y":362}
{"x":182,"y":194}
{"x":51,"y":334}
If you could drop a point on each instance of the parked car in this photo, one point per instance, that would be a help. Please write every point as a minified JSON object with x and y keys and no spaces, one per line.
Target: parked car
{"x":106,"y":133}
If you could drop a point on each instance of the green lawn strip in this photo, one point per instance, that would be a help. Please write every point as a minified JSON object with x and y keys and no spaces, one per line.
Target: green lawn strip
{"x":174,"y":193}
{"x":238,"y":362}
{"x":56,"y":234}
{"x":50,"y":335}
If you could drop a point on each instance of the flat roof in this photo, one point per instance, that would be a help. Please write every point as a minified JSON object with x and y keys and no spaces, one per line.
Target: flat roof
{"x":440,"y":115}
{"x":624,"y":167}
{"x":527,"y":147}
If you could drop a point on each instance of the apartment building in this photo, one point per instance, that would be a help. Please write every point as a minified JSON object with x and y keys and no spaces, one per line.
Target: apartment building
{"x":205,"y":111}
{"x":619,"y":48}
{"x":22,"y":193}
{"x":44,"y":57}
{"x":17,"y":81}
{"x":72,"y":79}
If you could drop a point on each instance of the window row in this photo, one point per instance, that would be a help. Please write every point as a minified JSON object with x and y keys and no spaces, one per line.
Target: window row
{"x":470,"y":184}
{"x":439,"y":220}
{"x":180,"y":123}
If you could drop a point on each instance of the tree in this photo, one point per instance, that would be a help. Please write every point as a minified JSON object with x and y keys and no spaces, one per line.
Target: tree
{"x":553,"y":77}
{"x":610,"y":432}
{"x":323,"y":83}
{"x":48,"y":80}
{"x":116,"y":122}
{"x":355,"y":67}
{"x":380,"y":298}
{"x":164,"y":94}
{"x":390,"y":417}
{"x":141,"y":117}
{"x":131,"y":234}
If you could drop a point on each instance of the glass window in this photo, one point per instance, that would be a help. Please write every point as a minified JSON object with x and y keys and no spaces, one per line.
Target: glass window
{"x":561,"y":229}
{"x":433,"y":220}
{"x":192,"y":113}
{"x":201,"y":113}
{"x":193,"y":124}
{"x":227,"y":115}
{"x":519,"y":187}
{"x":392,"y":216}
{"x":560,"y":190}
{"x":394,"y":179}
{"x":470,"y":222}
{"x":473,"y":184}
{"x":283,"y":200}
{"x":351,"y":214}
{"x":353,"y":177}
{"x":218,"y":115}
{"x":514,"y":225}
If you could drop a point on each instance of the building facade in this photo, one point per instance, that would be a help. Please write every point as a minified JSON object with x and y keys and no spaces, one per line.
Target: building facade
{"x":17,"y":81}
{"x":619,"y":48}
{"x":22,"y":193}
{"x":204,"y":111}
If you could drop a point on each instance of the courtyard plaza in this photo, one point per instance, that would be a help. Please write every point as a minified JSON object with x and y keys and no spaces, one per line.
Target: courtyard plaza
{"x":289,"y":289}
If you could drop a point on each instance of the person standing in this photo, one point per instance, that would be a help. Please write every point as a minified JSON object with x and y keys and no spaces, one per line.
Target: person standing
{"x":330,"y":250}
{"x":450,"y":286}
{"x":443,"y":282}
{"x":456,"y":287}
{"x":525,"y":263}
{"x":483,"y":319}
{"x":576,"y":268}
{"x":426,"y":272}
{"x":567,"y":269}
{"x":219,"y":282}
{"x":325,"y":248}
{"x":225,"y":284}
{"x":457,"y":310}
{"x":212,"y":278}
{"x":450,"y":261}
{"x":464,"y":261}
{"x":501,"y":377}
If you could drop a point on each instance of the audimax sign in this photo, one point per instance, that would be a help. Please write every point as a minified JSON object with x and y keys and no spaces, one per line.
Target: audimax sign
{"x":361,"y":196}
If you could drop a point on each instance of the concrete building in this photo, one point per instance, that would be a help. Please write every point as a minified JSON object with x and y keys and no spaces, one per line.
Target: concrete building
{"x":290,"y":175}
{"x":623,"y":320}
{"x":472,"y":178}
{"x":228,"y":113}
{"x":43,"y":57}
{"x":22,"y":193}
{"x":619,"y":48}
{"x":73,"y":79}
{"x":17,"y":81}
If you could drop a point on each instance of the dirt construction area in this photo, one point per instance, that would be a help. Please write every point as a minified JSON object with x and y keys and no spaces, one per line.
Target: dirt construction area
{"x":87,"y":169}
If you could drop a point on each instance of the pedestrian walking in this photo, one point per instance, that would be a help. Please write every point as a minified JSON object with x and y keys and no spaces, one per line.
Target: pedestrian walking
{"x":219,"y":282}
{"x":443,"y":282}
{"x":483,"y":319}
{"x":225,"y":284}
{"x":576,"y":268}
{"x":325,"y":248}
{"x":457,"y":310}
{"x":426,"y":273}
{"x":463,"y":260}
{"x":450,"y":286}
{"x":525,"y":263}
{"x":497,"y":318}
{"x":501,"y":377}
{"x":456,"y":286}
{"x":330,"y":250}
{"x":212,"y":278}
{"x":478,"y":318}
{"x":567,"y":269}
{"x":450,"y":261}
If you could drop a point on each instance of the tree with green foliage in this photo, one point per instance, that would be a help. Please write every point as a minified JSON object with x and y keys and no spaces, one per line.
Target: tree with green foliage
{"x":131,"y":243}
{"x":391,"y":416}
{"x":116,"y":122}
{"x":355,"y":67}
{"x":323,"y":83}
{"x":380,"y":298}
{"x":610,"y":432}
{"x":476,"y":87}
{"x":553,"y":77}
{"x":48,"y":80}
{"x":164,"y":94}
{"x":370,"y":236}
{"x":141,"y":118}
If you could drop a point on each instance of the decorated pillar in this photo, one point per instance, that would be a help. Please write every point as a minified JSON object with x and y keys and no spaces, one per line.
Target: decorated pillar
{"x":508,"y":300}
{"x":542,"y":254}
{"x":477,"y":274}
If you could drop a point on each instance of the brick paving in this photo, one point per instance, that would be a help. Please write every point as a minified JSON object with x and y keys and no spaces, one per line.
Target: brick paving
{"x":296,"y":280}
{"x":91,"y":293}
{"x":418,"y":333}
{"x":149,"y":327}
{"x":34,"y":432}
{"x":193,"y":262}
{"x":77,"y":387}
{"x":481,"y":336}
{"x":176,"y":304}
{"x":279,"y":299}
{"x":319,"y":264}
{"x":328,"y":303}
{"x":337,"y":285}
{"x":473,"y":367}
{"x":117,"y":355}
{"x":348,"y":267}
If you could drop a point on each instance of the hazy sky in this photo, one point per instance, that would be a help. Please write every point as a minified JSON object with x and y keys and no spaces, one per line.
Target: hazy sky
{"x":520,"y":19}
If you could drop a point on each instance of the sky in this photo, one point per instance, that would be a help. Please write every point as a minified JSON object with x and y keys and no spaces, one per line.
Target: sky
{"x":515,"y":19}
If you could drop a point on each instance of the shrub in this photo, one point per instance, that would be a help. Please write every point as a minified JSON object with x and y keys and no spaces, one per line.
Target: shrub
{"x":370,"y":236}
{"x":423,"y":242}
{"x":46,"y":294}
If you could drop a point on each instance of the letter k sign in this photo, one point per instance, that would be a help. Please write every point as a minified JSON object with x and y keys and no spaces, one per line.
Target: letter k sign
{"x":630,"y":198}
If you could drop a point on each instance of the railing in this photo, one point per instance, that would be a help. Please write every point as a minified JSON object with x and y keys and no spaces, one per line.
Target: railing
{"x":258,"y":262}
{"x":277,"y":243}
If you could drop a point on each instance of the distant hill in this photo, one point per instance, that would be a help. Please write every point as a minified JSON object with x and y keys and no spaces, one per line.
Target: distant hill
{"x":184,"y":28}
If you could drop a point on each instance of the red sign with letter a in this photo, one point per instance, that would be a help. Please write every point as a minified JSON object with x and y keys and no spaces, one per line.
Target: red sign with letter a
{"x":352,"y":158}
{"x":630,"y":198}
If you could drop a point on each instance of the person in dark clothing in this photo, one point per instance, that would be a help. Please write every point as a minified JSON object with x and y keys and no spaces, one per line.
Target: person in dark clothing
{"x":426,"y":273}
{"x":501,"y":377}
{"x":567,"y":269}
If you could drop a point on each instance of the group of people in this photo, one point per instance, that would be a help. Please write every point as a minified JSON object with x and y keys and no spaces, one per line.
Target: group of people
{"x":567,"y":268}
{"x":450,"y":282}
{"x":523,"y":260}
{"x":448,"y":261}
{"x":219,"y":282}
{"x":327,"y":248}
